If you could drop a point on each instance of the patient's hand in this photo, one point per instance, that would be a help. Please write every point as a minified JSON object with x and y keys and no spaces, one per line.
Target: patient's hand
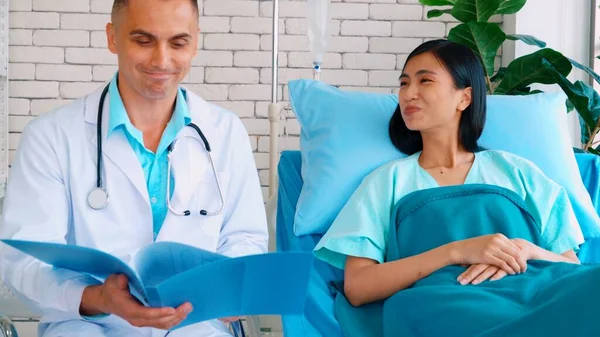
{"x":494,"y":249}
{"x":526,"y":248}
{"x":478,"y":273}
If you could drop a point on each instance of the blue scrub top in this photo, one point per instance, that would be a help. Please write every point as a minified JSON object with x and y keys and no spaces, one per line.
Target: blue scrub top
{"x":153,"y":164}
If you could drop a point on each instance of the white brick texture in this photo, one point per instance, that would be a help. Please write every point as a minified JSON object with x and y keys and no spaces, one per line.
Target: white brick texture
{"x":82,"y":6}
{"x":58,"y":52}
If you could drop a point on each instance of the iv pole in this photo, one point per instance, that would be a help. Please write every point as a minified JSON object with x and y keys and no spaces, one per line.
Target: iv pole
{"x":274,"y":109}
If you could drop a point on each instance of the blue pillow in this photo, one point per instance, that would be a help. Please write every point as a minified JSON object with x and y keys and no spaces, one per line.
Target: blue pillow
{"x":344,"y":137}
{"x":535,"y":127}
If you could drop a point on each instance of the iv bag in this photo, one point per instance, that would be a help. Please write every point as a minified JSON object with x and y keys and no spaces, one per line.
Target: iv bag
{"x":318,"y":32}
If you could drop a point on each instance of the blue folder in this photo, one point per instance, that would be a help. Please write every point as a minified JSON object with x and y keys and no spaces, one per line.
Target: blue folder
{"x":169,"y":274}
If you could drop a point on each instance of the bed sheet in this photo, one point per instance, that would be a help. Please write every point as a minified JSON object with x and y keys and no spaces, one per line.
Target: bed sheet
{"x":318,"y":318}
{"x":589,"y":168}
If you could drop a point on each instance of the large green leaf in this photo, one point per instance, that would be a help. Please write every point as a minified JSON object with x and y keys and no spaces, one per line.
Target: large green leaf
{"x":588,"y":70}
{"x":583,"y":97}
{"x":434,"y":13}
{"x":569,"y":105}
{"x":437,"y":2}
{"x":510,"y":6}
{"x":594,"y":151}
{"x":590,"y":96}
{"x":484,"y":38}
{"x":499,"y":75}
{"x":474,"y":10}
{"x":524,"y":92}
{"x":530,"y":40}
{"x":528,"y":69}
{"x":585,"y":131}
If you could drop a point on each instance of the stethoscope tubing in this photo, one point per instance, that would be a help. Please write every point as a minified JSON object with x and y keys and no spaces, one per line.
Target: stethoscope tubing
{"x":99,"y":184}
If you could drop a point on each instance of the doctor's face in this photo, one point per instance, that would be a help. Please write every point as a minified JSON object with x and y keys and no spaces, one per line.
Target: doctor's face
{"x":155,"y":41}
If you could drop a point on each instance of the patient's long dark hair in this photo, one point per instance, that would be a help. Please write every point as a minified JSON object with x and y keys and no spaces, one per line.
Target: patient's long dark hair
{"x":466,"y":70}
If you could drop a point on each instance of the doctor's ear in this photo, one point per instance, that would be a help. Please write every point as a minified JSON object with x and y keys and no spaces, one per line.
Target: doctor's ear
{"x":111,"y":38}
{"x":197,"y":42}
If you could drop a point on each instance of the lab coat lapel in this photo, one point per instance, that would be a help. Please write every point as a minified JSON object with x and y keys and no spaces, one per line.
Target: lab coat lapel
{"x":189,"y":163}
{"x":116,"y":148}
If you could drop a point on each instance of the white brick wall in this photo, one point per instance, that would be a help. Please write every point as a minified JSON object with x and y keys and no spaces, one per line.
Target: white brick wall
{"x":58,"y":53}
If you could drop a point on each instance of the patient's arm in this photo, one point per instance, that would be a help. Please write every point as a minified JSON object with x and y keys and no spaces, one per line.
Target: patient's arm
{"x":366,"y":280}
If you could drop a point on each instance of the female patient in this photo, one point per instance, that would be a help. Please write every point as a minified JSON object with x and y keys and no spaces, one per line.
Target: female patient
{"x":440,"y":117}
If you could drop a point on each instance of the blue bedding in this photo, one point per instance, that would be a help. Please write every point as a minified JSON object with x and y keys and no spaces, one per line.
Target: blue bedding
{"x":539,"y":302}
{"x":589,"y":168}
{"x":319,"y":317}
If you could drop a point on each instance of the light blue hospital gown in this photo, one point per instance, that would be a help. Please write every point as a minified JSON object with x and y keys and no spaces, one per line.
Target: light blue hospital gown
{"x":362,"y":227}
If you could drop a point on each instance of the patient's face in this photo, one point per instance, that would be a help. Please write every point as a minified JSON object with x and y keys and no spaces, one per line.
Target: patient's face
{"x":428,"y":97}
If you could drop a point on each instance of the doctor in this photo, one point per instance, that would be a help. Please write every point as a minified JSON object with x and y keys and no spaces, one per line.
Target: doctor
{"x":125,"y":167}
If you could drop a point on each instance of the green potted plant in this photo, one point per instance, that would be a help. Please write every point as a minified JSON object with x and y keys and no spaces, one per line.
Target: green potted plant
{"x":544,"y":66}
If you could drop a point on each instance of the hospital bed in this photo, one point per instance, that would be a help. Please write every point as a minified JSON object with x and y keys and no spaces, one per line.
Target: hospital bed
{"x":285,"y":185}
{"x":319,"y":318}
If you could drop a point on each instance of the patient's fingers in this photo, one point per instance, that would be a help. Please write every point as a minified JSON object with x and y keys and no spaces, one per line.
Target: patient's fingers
{"x":522,"y":262}
{"x":514,"y":250}
{"x":513,"y":244}
{"x":486,"y":274}
{"x":498,"y":262}
{"x":478,"y":273}
{"x":512,"y":262}
{"x":499,"y":275}
{"x":471,"y":273}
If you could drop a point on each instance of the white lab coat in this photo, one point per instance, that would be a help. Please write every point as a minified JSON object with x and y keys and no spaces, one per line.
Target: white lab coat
{"x":46,"y":200}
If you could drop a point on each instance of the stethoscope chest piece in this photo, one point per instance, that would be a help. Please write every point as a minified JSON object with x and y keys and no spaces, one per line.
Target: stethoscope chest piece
{"x":97,"y":199}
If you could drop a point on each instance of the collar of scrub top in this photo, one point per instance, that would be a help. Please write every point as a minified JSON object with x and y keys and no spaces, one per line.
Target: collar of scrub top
{"x":118,"y":116}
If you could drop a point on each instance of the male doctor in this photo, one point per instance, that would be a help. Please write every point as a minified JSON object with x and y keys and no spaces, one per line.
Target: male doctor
{"x":145,"y":115}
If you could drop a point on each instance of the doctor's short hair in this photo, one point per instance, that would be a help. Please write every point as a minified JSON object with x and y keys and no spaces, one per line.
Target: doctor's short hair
{"x":120,"y":4}
{"x":466,"y":70}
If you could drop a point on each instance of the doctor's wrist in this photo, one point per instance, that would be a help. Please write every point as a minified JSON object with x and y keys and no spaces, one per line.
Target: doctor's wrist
{"x":91,"y":301}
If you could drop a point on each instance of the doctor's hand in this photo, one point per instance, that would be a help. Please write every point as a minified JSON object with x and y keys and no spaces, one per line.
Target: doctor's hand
{"x":113,"y":297}
{"x":494,"y":249}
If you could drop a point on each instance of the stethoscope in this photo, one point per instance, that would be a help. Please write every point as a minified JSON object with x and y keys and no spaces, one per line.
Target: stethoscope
{"x":98,"y":197}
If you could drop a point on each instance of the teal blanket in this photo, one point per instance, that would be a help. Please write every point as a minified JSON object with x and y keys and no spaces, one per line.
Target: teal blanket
{"x":549,"y":299}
